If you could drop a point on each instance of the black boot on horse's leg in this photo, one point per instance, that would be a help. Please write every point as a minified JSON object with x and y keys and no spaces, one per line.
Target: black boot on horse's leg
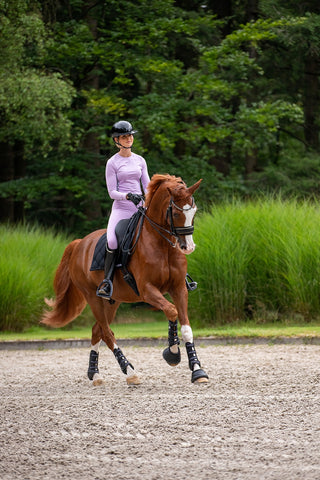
{"x":126,"y":367}
{"x":123,"y":362}
{"x":93,"y":364}
{"x":105,"y":288}
{"x":172,"y":358}
{"x":198,"y":375}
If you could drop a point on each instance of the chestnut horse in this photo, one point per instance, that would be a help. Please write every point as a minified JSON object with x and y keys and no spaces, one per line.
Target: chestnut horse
{"x":159,"y":266}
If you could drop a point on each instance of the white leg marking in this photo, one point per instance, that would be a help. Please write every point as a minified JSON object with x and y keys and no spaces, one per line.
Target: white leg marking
{"x":187,"y":336}
{"x":186,"y":333}
{"x":130,"y":371}
{"x":96,"y":347}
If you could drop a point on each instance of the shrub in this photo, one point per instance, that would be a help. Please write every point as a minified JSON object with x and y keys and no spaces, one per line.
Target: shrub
{"x":257,"y":259}
{"x":29,"y":258}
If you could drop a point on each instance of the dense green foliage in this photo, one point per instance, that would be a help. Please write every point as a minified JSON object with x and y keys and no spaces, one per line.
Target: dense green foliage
{"x":224,"y":90}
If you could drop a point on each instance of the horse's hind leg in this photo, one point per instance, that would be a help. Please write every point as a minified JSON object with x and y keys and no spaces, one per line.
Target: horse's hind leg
{"x":104,"y":313}
{"x":126,"y":367}
{"x":93,"y":369}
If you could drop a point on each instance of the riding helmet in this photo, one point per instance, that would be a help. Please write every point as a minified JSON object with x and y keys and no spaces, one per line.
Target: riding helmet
{"x":122,"y":128}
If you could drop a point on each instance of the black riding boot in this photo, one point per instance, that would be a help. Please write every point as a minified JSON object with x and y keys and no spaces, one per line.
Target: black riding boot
{"x":105,"y":288}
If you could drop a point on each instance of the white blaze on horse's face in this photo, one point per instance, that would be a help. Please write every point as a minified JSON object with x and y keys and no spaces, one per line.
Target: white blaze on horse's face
{"x":189,"y":213}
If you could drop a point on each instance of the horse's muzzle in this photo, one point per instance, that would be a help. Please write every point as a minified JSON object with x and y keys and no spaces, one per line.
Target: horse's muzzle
{"x":186,"y":247}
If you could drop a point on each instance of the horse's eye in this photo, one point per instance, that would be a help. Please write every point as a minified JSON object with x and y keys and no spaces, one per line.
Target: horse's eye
{"x":176,"y":215}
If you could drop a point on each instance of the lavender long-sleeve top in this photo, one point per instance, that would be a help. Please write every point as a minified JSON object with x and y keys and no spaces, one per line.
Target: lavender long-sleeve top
{"x":123,"y":175}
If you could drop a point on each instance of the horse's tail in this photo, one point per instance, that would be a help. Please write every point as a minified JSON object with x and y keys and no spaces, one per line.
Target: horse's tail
{"x":69,"y":301}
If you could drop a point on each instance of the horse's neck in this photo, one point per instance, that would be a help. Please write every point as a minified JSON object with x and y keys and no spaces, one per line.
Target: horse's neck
{"x":158,"y":208}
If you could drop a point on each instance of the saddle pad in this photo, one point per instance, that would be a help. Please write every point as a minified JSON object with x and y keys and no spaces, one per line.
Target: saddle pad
{"x":99,"y":253}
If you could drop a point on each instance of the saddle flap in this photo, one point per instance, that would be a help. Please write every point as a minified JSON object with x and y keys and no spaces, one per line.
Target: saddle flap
{"x":125,"y":231}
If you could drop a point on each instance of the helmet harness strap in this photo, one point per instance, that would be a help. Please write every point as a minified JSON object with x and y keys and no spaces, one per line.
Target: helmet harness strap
{"x":119,"y":144}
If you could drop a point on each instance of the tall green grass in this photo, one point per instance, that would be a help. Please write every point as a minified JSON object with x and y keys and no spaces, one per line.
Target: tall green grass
{"x":259,"y":259}
{"x":29,"y":257}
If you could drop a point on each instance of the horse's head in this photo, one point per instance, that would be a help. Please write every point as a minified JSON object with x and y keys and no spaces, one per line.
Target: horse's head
{"x":180,"y":214}
{"x":171,"y":209}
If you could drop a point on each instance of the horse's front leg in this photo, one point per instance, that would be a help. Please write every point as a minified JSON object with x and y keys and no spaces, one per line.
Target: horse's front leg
{"x":198,"y":374}
{"x":172,"y":354}
{"x":181,"y":301}
{"x":153,"y":296}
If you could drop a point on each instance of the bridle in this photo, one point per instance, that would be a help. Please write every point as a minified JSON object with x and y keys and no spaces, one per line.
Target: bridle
{"x":174,"y":231}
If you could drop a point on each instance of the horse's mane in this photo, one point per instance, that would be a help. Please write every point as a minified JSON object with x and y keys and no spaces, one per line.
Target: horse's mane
{"x":157,"y":180}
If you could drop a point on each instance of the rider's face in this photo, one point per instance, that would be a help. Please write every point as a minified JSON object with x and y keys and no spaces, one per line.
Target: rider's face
{"x":126,"y":140}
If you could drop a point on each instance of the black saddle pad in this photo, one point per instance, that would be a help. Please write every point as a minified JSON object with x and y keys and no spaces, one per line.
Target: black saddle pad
{"x":99,"y":253}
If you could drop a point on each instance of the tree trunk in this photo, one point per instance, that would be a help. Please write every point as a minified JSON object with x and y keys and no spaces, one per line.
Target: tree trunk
{"x":12,"y":166}
{"x":223,"y":10}
{"x":311,"y":102}
{"x":252,"y":10}
{"x":91,"y":142}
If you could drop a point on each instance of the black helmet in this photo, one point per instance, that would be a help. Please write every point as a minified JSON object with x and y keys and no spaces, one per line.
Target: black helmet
{"x":122,"y":128}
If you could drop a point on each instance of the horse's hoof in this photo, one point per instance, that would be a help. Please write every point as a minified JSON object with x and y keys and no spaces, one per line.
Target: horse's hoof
{"x":172,"y":359}
{"x":133,"y":380}
{"x":98,"y":382}
{"x":199,"y":376}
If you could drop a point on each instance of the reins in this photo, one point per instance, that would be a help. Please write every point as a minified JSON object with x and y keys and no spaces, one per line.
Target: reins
{"x":173,"y":232}
{"x":158,"y":228}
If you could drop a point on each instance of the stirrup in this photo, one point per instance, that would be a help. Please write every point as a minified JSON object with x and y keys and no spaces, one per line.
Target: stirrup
{"x":191,"y":284}
{"x":105,"y":289}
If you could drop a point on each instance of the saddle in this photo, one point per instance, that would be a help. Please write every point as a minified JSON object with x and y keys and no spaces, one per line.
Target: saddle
{"x":125,"y":231}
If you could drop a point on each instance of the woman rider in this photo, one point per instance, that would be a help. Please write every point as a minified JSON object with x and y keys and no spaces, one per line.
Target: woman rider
{"x":125,"y":173}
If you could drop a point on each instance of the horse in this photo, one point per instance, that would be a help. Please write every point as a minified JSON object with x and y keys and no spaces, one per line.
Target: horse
{"x":159,"y":265}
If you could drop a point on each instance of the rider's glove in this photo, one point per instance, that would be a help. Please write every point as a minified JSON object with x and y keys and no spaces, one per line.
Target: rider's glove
{"x":134,"y":197}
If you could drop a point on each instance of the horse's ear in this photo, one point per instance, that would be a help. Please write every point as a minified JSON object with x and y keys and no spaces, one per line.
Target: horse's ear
{"x":194,"y":187}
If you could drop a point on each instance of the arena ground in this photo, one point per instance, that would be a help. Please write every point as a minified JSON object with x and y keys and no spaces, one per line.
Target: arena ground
{"x":258,"y":417}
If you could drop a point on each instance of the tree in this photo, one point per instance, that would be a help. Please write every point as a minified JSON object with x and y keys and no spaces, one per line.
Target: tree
{"x":33,"y":102}
{"x":217,"y":90}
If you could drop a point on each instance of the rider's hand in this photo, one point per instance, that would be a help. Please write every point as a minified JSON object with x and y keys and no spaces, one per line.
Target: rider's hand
{"x":134,"y":197}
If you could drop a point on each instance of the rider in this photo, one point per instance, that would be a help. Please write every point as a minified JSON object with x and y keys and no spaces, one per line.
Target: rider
{"x":125,"y":173}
